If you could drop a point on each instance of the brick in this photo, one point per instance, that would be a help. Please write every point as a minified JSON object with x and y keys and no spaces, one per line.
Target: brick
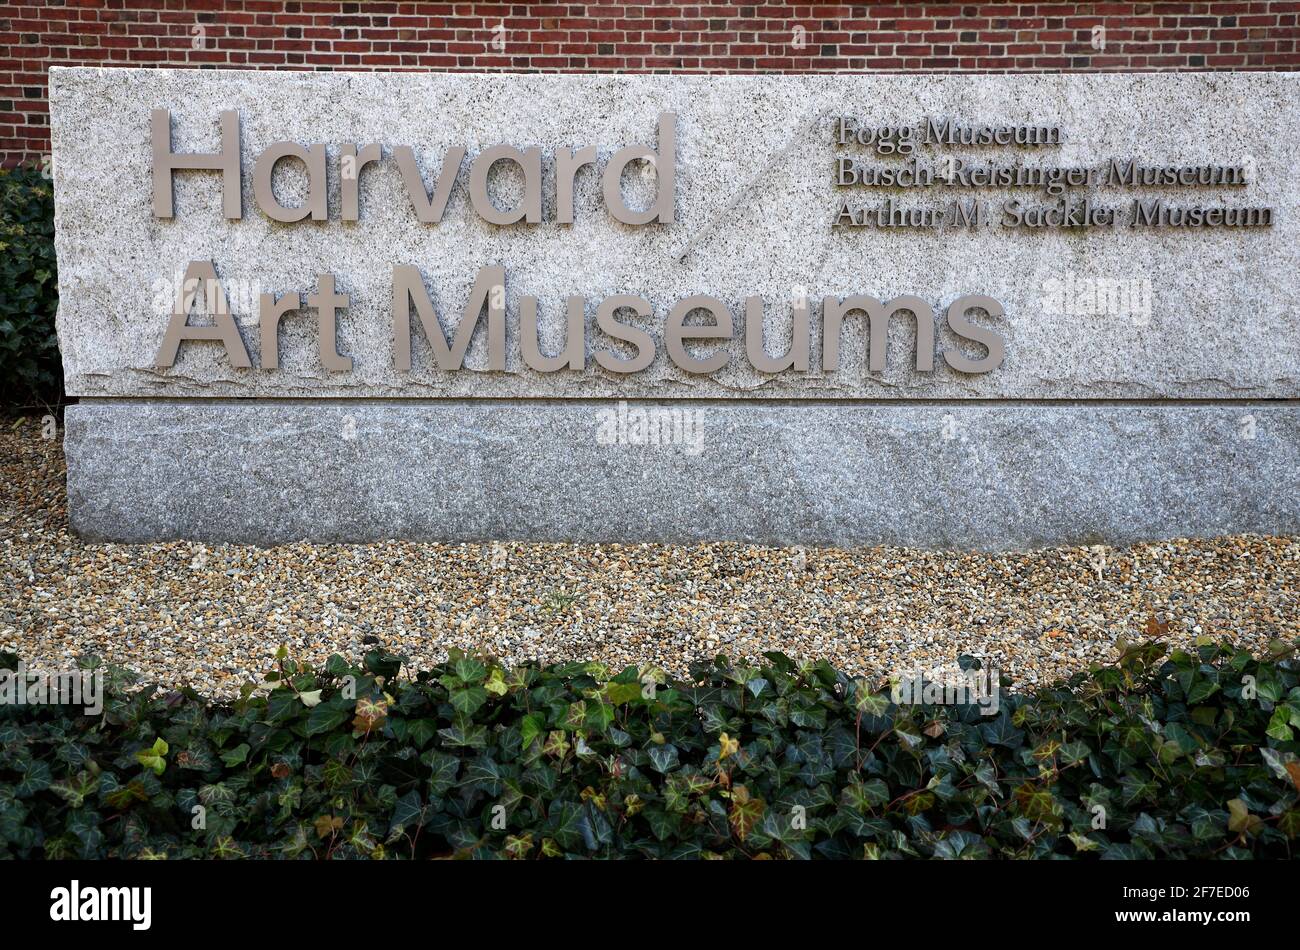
{"x":660,"y":36}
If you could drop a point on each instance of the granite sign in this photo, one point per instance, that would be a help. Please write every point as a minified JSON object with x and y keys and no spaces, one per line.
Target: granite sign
{"x":977,"y":311}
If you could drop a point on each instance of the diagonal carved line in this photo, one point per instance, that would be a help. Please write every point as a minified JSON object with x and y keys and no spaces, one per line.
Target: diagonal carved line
{"x":749,"y":187}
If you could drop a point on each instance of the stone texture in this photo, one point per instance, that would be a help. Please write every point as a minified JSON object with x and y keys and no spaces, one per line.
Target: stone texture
{"x":1009,"y":476}
{"x":754,"y":202}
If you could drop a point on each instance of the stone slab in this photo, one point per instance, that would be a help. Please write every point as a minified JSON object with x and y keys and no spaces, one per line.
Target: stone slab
{"x":754,"y":203}
{"x":963,"y":475}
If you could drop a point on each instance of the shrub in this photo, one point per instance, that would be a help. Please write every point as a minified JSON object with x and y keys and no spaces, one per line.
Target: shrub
{"x":29,"y":296}
{"x":1190,"y":757}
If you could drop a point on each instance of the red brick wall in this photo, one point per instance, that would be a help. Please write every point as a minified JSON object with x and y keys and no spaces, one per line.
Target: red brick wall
{"x":640,"y":37}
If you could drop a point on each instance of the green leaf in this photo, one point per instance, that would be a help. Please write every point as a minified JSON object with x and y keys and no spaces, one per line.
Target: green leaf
{"x":443,"y":770}
{"x":599,"y":716}
{"x":1240,"y":820}
{"x":409,"y":812}
{"x":531,"y":727}
{"x":663,"y":758}
{"x":1279,"y":724}
{"x":328,"y":716}
{"x":470,"y":671}
{"x":420,"y":732}
{"x":863,"y":797}
{"x":745,"y":812}
{"x":236,"y":756}
{"x":76,"y":789}
{"x":618,"y":694}
{"x":1201,"y":690}
{"x":869,"y":703}
{"x":467,"y":701}
{"x":155,"y":757}
{"x":790,"y":761}
{"x":1082,"y":843}
{"x":1001,"y":732}
{"x":961,"y":846}
{"x":565,"y":825}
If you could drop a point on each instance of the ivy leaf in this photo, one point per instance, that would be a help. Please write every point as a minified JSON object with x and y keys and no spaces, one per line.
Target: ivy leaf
{"x":1279,"y":724}
{"x":599,"y":716}
{"x":74,"y":790}
{"x":468,"y":700}
{"x":557,"y":744}
{"x":727,"y":746}
{"x":619,"y":694}
{"x":725,"y":763}
{"x":517,"y":846}
{"x":328,"y":716}
{"x":565,"y":825}
{"x":663,"y":758}
{"x":1082,"y":843}
{"x":410,"y":811}
{"x":443,"y":770}
{"x":123,"y":797}
{"x":155,"y":757}
{"x":327,"y":825}
{"x":371,"y":714}
{"x":470,"y":671}
{"x":236,"y":756}
{"x":745,"y":812}
{"x":531,"y":727}
{"x":1002,"y":732}
{"x":961,"y":846}
{"x":85,"y":827}
{"x":1240,"y":820}
{"x":863,"y":797}
{"x":420,"y":732}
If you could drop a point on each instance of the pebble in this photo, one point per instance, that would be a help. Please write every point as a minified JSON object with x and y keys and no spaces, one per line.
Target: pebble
{"x":212,"y":616}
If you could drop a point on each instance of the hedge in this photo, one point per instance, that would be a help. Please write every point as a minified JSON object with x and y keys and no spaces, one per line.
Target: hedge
{"x":30,"y":372}
{"x":1189,"y":756}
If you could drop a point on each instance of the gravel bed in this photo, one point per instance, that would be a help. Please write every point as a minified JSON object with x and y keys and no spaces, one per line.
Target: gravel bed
{"x":213,"y":616}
